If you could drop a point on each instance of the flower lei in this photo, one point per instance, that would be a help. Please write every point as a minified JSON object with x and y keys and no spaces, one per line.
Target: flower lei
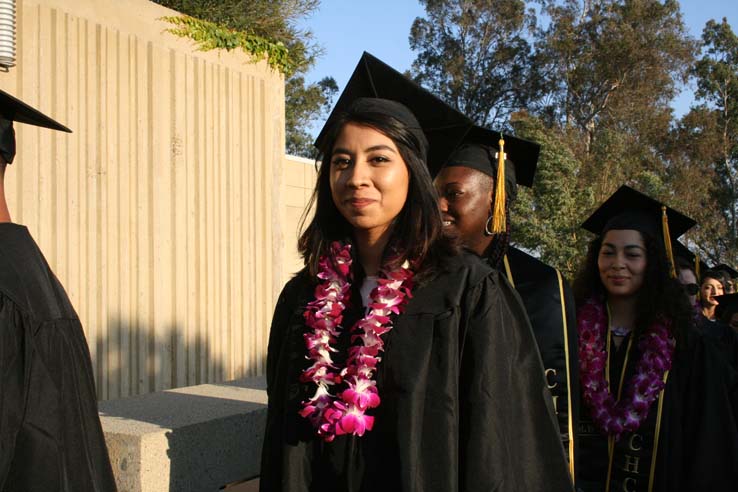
{"x":346,"y":413}
{"x":656,"y":348}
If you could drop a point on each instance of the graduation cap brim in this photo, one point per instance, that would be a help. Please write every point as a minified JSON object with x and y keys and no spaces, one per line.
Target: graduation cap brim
{"x":641,"y":212}
{"x":726,"y":303}
{"x":522,"y":153}
{"x":727,"y":269}
{"x":444,"y":126}
{"x":13,"y":109}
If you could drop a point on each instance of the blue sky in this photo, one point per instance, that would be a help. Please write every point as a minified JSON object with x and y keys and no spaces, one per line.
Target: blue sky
{"x":346,"y":28}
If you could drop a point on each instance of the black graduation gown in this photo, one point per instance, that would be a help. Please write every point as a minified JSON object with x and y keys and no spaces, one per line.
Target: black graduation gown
{"x":722,"y":336}
{"x":549,"y":302}
{"x":464,"y":404}
{"x":50,"y":434}
{"x":697,"y":437}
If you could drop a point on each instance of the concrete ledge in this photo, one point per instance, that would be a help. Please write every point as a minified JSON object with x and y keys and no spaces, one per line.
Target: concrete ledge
{"x":197,"y":438}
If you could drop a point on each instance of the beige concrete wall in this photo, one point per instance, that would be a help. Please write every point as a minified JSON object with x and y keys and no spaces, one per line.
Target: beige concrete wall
{"x":161,"y":213}
{"x":298,"y":184}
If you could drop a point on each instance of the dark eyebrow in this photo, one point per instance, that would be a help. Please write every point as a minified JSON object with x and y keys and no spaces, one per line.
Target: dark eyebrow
{"x":381,"y":147}
{"x":627,"y":246}
{"x":341,"y":150}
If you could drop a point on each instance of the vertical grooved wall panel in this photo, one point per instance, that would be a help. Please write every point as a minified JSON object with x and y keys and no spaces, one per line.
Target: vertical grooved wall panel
{"x":158,"y":213}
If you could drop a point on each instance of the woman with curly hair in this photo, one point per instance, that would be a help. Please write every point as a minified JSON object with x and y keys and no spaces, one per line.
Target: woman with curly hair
{"x":394,"y":362}
{"x":656,"y":399}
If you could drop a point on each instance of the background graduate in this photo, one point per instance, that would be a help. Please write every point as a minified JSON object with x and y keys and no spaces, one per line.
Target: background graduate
{"x":729,"y":277}
{"x":688,"y":268}
{"x":50,"y":434}
{"x":468,"y":196}
{"x":656,"y":397}
{"x":711,"y":286}
{"x":708,"y":318}
{"x":394,"y":363}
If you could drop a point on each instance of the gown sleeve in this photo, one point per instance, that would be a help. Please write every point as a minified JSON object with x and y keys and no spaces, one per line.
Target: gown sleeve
{"x":509,"y":439}
{"x":700,"y":444}
{"x":13,"y":374}
{"x":282,"y":385}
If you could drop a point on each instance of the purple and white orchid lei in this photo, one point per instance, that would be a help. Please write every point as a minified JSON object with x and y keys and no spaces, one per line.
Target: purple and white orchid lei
{"x":657,"y":349}
{"x":345,"y":413}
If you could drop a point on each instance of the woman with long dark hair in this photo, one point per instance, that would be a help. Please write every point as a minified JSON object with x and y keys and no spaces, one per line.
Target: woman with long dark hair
{"x":395,"y":363}
{"x":657,"y":411}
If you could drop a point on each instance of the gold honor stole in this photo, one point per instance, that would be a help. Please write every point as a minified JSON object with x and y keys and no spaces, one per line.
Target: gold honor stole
{"x":570,"y":433}
{"x":632,"y":459}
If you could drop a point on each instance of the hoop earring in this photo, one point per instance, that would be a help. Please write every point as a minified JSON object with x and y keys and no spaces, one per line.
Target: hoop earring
{"x":487,"y":231}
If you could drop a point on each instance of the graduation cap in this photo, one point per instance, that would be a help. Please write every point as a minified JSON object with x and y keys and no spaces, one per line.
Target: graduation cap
{"x":732,"y":273}
{"x":522,"y":154}
{"x":631,"y":209}
{"x":681,"y":251}
{"x":443,"y":126}
{"x":509,"y":160}
{"x":727,"y":306}
{"x":13,"y":109}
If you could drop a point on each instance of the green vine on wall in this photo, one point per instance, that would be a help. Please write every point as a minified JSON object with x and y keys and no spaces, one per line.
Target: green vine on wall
{"x":210,"y":36}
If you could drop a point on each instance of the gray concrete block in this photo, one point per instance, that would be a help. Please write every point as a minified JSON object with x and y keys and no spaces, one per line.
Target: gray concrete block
{"x":197,"y":438}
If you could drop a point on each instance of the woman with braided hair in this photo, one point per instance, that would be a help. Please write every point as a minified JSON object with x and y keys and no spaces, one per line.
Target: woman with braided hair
{"x":476,"y":189}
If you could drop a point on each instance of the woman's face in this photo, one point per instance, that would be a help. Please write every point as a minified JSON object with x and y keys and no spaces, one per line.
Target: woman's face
{"x":710,"y":288}
{"x":368,"y":178}
{"x":465,"y":200}
{"x":622,"y":262}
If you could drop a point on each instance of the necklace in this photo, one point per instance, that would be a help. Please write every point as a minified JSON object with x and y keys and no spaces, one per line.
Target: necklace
{"x":656,"y":348}
{"x":345,"y":412}
{"x":619,"y":331}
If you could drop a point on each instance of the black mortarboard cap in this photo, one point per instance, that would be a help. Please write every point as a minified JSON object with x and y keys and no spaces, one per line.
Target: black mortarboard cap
{"x":631,"y":209}
{"x":727,"y":305}
{"x":13,"y":109}
{"x":681,"y":251}
{"x":473,"y":153}
{"x":732,"y":273}
{"x":444,"y":127}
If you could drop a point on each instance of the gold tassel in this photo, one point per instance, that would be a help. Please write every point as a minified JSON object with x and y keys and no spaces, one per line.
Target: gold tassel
{"x":667,"y":241}
{"x":499,"y":219}
{"x":697,"y":267}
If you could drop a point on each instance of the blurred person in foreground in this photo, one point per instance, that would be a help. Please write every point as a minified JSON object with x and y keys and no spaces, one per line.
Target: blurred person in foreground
{"x":50,"y":434}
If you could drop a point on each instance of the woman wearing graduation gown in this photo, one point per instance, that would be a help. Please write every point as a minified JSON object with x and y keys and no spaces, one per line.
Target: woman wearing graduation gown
{"x":657,"y":409}
{"x":393,"y":363}
{"x":468,"y":189}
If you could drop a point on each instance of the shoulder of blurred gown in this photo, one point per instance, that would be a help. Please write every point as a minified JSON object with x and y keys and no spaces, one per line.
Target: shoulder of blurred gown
{"x":51,"y":438}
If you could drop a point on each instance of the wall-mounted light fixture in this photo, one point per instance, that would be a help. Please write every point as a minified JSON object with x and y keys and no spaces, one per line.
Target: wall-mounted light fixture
{"x":7,"y":34}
